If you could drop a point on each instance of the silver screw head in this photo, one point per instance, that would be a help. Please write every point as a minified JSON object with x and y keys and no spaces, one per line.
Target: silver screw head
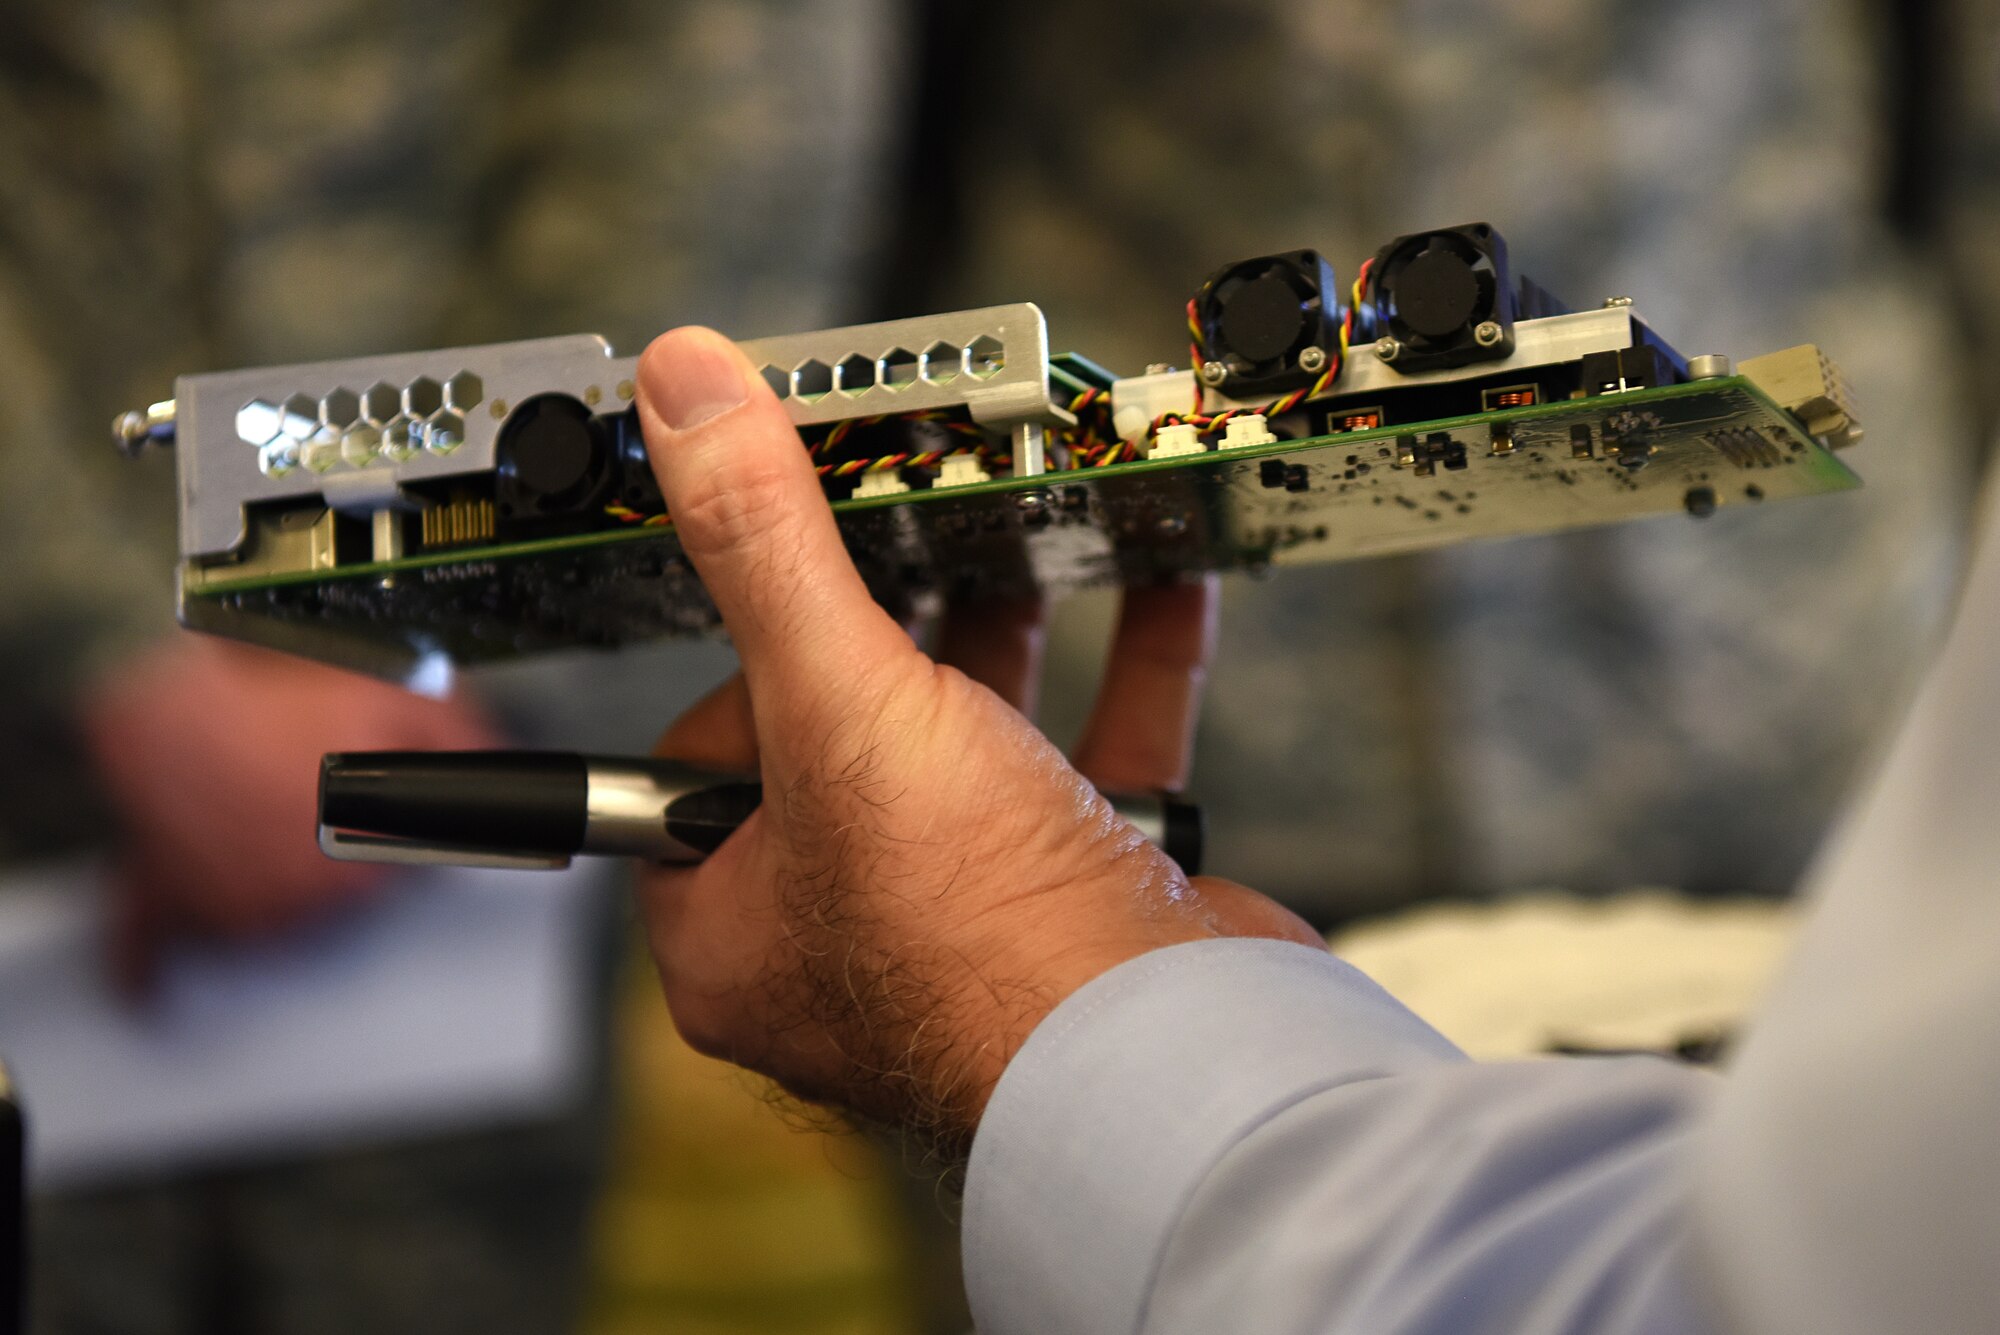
{"x":130,"y":431}
{"x":1312,"y":359}
{"x":1213,"y":373}
{"x":1612,"y":303}
{"x":1388,"y":349}
{"x":1487,"y":334}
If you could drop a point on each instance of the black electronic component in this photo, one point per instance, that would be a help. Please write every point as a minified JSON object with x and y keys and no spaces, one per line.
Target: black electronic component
{"x":1272,"y":323}
{"x":1535,"y":302}
{"x":556,"y":464}
{"x":1642,"y":366}
{"x":1423,"y":456}
{"x":1445,"y":297}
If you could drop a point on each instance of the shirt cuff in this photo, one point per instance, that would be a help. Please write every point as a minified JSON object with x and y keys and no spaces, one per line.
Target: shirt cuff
{"x":1122,"y":1100}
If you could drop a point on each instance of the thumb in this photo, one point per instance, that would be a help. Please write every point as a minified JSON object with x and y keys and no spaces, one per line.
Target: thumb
{"x":747,"y":505}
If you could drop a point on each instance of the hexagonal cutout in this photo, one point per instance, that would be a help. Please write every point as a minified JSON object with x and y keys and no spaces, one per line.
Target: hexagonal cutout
{"x":320,"y":453}
{"x":444,"y":433}
{"x":856,"y":375}
{"x":423,"y":396}
{"x":779,"y":381}
{"x":401,"y":437}
{"x":301,"y":417}
{"x":360,"y":444}
{"x":986,"y":356}
{"x":812,"y":380}
{"x":258,"y":421}
{"x":943,"y":362}
{"x":278,"y":458}
{"x":340,"y":409}
{"x":464,"y":391}
{"x":380,"y":403}
{"x":899,"y":368}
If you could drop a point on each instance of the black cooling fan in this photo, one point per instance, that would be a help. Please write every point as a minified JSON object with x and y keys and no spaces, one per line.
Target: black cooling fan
{"x":1271,"y":322}
{"x":1445,"y":297}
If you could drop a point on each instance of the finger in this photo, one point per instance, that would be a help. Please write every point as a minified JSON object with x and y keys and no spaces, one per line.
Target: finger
{"x":748,"y":507}
{"x":997,"y":642}
{"x":717,"y":732}
{"x":1140,"y":735}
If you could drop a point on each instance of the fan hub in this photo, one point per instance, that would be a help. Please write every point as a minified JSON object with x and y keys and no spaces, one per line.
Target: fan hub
{"x":1264,"y":318}
{"x":1437,"y":294}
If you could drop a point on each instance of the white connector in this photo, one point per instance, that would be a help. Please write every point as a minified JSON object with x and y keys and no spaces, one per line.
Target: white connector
{"x":1249,"y":429}
{"x":1180,"y":438}
{"x":961,"y":470}
{"x":880,"y":483}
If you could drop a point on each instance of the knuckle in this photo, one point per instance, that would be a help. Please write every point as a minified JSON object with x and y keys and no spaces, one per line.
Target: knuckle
{"x":734,"y":507}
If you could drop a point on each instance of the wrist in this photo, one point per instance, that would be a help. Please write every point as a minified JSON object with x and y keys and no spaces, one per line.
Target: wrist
{"x":974,"y":1035}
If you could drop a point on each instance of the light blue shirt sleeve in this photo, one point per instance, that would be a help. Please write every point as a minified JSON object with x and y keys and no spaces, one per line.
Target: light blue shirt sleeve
{"x":1252,"y":1136}
{"x":1249,"y":1136}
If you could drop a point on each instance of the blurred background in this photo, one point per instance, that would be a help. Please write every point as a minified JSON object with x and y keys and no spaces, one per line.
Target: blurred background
{"x":294,"y":1124}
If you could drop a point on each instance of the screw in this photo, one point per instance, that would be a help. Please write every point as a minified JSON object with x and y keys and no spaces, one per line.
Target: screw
{"x":1612,"y":303}
{"x":1312,"y":359}
{"x":1710,"y":366}
{"x":152,"y":426}
{"x":1487,"y":334}
{"x":1388,"y":349}
{"x":130,"y":429}
{"x":1159,"y":368}
{"x":1213,"y":373}
{"x":1031,"y":502}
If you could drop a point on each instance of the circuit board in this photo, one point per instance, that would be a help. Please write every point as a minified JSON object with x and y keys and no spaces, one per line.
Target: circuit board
{"x":1688,"y":448}
{"x":469,"y":504}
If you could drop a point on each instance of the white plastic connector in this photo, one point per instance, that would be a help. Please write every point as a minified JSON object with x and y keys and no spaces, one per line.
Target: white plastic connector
{"x":1180,"y":438}
{"x":883,"y":483}
{"x":961,"y":470}
{"x":1249,"y":429}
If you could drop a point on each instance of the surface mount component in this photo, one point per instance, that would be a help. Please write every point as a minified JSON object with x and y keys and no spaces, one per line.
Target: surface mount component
{"x":482,"y":502}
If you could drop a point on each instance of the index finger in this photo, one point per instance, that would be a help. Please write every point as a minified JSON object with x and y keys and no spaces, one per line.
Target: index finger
{"x":748,"y":507}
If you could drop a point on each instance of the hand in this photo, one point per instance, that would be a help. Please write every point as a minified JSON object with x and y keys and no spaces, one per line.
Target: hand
{"x":927,"y":876}
{"x":210,"y":751}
